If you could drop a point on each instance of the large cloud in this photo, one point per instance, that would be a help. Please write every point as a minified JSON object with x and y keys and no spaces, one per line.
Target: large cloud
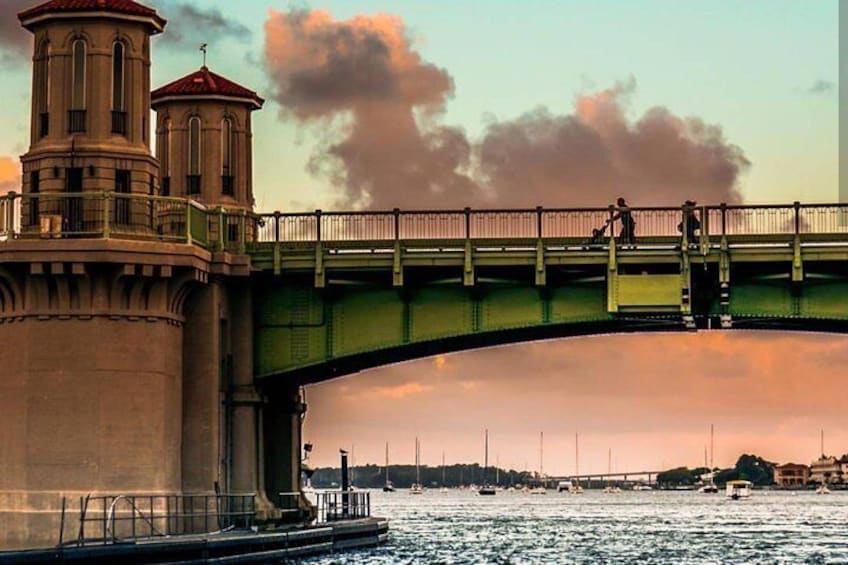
{"x":362,"y":80}
{"x":596,"y":154}
{"x":378,"y":104}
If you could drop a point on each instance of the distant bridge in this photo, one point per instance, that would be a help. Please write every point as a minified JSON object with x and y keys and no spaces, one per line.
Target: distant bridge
{"x":647,"y":477}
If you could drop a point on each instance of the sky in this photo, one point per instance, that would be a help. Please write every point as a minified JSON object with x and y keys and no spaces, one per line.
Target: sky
{"x":419,"y":104}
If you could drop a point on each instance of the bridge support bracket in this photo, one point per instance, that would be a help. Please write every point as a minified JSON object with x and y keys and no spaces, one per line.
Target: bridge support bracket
{"x":320,"y":278}
{"x":468,"y":268}
{"x":397,"y":266}
{"x":797,"y":261}
{"x":541,"y":275}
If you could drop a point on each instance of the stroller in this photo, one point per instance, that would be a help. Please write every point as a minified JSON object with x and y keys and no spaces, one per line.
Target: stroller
{"x":598,"y":235}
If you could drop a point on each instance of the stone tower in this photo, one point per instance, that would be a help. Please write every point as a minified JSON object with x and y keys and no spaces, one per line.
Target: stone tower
{"x":90,"y":126}
{"x":204,"y":139}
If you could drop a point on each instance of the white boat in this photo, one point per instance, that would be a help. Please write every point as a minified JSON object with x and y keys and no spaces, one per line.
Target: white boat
{"x":574,"y":487}
{"x":822,"y":489}
{"x":563,"y":486}
{"x":538,"y":490}
{"x":388,"y":486}
{"x":610,"y":489}
{"x":486,"y":489}
{"x":709,"y":486}
{"x":737,"y":490}
{"x":640,"y":486}
{"x":416,"y":487}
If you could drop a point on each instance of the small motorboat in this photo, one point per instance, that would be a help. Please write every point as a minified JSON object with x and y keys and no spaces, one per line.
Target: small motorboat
{"x":738,"y":490}
{"x":822,"y":489}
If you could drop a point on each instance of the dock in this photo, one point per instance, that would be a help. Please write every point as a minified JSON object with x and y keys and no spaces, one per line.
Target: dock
{"x":243,"y":546}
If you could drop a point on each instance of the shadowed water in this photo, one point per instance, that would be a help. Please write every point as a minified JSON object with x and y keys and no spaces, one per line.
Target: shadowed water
{"x":630,"y":527}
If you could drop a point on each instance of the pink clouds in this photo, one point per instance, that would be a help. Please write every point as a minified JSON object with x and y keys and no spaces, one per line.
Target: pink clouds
{"x":651,"y":398}
{"x":377,"y":104}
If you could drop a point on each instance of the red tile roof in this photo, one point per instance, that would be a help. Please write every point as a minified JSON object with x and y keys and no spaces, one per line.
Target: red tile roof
{"x":128,"y":7}
{"x":206,"y":83}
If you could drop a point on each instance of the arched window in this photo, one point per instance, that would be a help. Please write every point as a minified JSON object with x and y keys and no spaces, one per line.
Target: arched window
{"x":194,"y":155}
{"x":164,"y":151}
{"x":42,"y":87}
{"x":76,"y":114}
{"x":78,"y":89}
{"x":227,"y":157}
{"x":119,"y":114}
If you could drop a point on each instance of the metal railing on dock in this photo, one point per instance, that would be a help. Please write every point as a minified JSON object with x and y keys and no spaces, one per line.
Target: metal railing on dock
{"x":336,"y":505}
{"x":114,"y":518}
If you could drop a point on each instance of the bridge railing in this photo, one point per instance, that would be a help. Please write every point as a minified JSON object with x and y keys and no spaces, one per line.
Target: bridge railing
{"x":133,"y":216}
{"x":56,"y":215}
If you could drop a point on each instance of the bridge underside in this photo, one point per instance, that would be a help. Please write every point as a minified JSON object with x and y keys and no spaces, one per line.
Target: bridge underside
{"x":360,"y":319}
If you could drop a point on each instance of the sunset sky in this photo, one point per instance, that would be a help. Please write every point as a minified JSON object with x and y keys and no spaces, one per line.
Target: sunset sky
{"x":378,"y":103}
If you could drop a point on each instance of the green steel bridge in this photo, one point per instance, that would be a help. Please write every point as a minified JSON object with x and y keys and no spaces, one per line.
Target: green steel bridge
{"x":338,"y":292}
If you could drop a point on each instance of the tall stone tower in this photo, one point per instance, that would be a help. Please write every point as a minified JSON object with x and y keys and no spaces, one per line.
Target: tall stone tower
{"x":91,"y":97}
{"x":204,"y":140}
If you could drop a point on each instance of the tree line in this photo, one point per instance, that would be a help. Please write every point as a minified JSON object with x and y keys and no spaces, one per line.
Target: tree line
{"x":403,"y":476}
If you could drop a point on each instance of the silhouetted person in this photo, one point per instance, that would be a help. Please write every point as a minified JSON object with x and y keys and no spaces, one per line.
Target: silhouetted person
{"x":693,"y":223}
{"x":628,"y":226}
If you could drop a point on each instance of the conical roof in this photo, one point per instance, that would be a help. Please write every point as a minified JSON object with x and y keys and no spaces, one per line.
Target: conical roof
{"x":204,"y":83}
{"x":64,"y":7}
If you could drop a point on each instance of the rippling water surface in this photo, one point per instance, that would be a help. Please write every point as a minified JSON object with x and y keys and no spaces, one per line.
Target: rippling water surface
{"x":630,"y":527}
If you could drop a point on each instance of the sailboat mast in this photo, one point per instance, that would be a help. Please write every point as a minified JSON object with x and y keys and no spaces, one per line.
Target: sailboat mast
{"x":577,"y":457}
{"x":387,"y":462}
{"x":822,"y":443}
{"x":541,"y":453}
{"x":443,"y":468}
{"x":486,"y":456}
{"x":712,"y":436}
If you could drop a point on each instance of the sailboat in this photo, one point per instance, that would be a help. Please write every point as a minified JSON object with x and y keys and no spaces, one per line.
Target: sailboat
{"x":541,"y":488}
{"x":575,"y":487}
{"x":709,"y":486}
{"x":416,"y":487}
{"x":822,"y":488}
{"x":444,"y":487}
{"x":388,"y":486}
{"x":611,"y":489}
{"x":486,"y":489}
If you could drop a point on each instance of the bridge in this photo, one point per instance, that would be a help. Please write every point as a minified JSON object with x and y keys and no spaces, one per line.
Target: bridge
{"x":242,"y":309}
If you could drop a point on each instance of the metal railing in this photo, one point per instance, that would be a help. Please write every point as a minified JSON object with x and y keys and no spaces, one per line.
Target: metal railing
{"x":654,"y":224}
{"x":114,"y":518}
{"x":334,"y":506}
{"x":119,"y":122}
{"x":103,"y":215}
{"x":76,"y":121}
{"x":133,"y":216}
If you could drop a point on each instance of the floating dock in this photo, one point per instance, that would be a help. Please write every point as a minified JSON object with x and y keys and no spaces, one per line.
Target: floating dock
{"x":225,"y":547}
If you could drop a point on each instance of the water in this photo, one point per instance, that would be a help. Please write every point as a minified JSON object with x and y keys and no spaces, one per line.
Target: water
{"x":653,"y":527}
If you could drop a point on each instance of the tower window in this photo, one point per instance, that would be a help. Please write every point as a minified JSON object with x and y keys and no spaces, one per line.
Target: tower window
{"x":119,"y":114}
{"x":163,"y":148}
{"x":193,"y":180}
{"x":42,"y":87}
{"x":227,"y":185}
{"x":77,"y":112}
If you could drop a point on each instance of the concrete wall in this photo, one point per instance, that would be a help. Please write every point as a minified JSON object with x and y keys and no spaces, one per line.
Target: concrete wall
{"x":86,"y":406}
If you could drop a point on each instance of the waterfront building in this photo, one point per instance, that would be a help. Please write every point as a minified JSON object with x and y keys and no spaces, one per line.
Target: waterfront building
{"x":843,"y":464}
{"x":791,"y":475}
{"x":825,"y":469}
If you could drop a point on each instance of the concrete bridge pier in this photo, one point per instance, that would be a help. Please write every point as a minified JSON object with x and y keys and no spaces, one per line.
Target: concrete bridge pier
{"x":283,"y":422}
